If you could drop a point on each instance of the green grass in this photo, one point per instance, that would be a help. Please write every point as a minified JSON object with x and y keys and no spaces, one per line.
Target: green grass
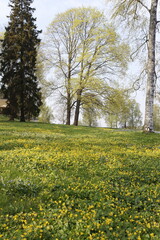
{"x":64,"y":183}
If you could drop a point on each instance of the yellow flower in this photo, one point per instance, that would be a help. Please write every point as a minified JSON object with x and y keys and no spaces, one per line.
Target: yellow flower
{"x":148,"y":225}
{"x":108,"y":221}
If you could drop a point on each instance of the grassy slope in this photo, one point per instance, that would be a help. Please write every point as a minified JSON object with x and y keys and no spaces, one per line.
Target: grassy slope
{"x":65,"y":182}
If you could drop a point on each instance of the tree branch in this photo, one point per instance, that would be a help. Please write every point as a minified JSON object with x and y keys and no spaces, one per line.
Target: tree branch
{"x":139,"y":1}
{"x":131,"y":56}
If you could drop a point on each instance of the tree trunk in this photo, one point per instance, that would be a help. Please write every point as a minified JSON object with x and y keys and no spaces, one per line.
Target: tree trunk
{"x":150,"y":90}
{"x":68,"y":110}
{"x":22,"y":109}
{"x":22,"y":105}
{"x":68,"y":122}
{"x":11,"y":118}
{"x":22,"y":116}
{"x":76,"y":117}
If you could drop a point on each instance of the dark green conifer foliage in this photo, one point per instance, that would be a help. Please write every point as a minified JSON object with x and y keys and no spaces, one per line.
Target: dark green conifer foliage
{"x":18,"y":62}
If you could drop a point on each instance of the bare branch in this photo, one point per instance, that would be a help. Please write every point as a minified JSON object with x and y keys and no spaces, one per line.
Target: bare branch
{"x":137,"y":50}
{"x":139,"y":1}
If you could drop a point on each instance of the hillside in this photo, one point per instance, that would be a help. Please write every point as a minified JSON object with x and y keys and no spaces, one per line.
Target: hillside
{"x":65,"y":183}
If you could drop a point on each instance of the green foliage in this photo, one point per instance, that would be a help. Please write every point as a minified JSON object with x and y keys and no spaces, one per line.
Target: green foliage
{"x":1,"y":39}
{"x":83,"y":48}
{"x":65,"y":182}
{"x":46,"y":115}
{"x":91,"y":109}
{"x":120,"y":110}
{"x":18,"y":62}
{"x":156,"y":117}
{"x":1,"y":35}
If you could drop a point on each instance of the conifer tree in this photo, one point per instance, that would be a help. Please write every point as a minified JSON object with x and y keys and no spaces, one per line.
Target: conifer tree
{"x":18,"y":62}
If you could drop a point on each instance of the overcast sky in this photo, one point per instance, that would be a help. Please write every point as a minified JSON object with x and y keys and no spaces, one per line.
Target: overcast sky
{"x":47,"y":9}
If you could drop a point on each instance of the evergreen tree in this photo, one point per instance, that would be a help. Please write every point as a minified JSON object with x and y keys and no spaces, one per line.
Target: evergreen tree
{"x":18,"y":62}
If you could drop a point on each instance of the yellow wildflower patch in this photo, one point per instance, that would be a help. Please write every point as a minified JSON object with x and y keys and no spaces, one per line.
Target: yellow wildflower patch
{"x":66,"y":183}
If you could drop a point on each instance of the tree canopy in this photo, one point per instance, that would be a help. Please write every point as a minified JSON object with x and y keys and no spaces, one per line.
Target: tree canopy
{"x":18,"y":62}
{"x":84,"y":50}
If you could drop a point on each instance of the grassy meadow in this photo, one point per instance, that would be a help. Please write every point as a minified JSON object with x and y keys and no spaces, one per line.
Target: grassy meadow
{"x":78,"y":183}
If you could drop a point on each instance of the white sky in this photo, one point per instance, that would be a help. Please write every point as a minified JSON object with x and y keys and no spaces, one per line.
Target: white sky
{"x":46,"y":11}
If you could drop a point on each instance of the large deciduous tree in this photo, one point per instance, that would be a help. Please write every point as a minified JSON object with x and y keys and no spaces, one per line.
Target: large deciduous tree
{"x":18,"y":62}
{"x":132,"y":10}
{"x":59,"y":51}
{"x":101,"y":53}
{"x":84,"y":50}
